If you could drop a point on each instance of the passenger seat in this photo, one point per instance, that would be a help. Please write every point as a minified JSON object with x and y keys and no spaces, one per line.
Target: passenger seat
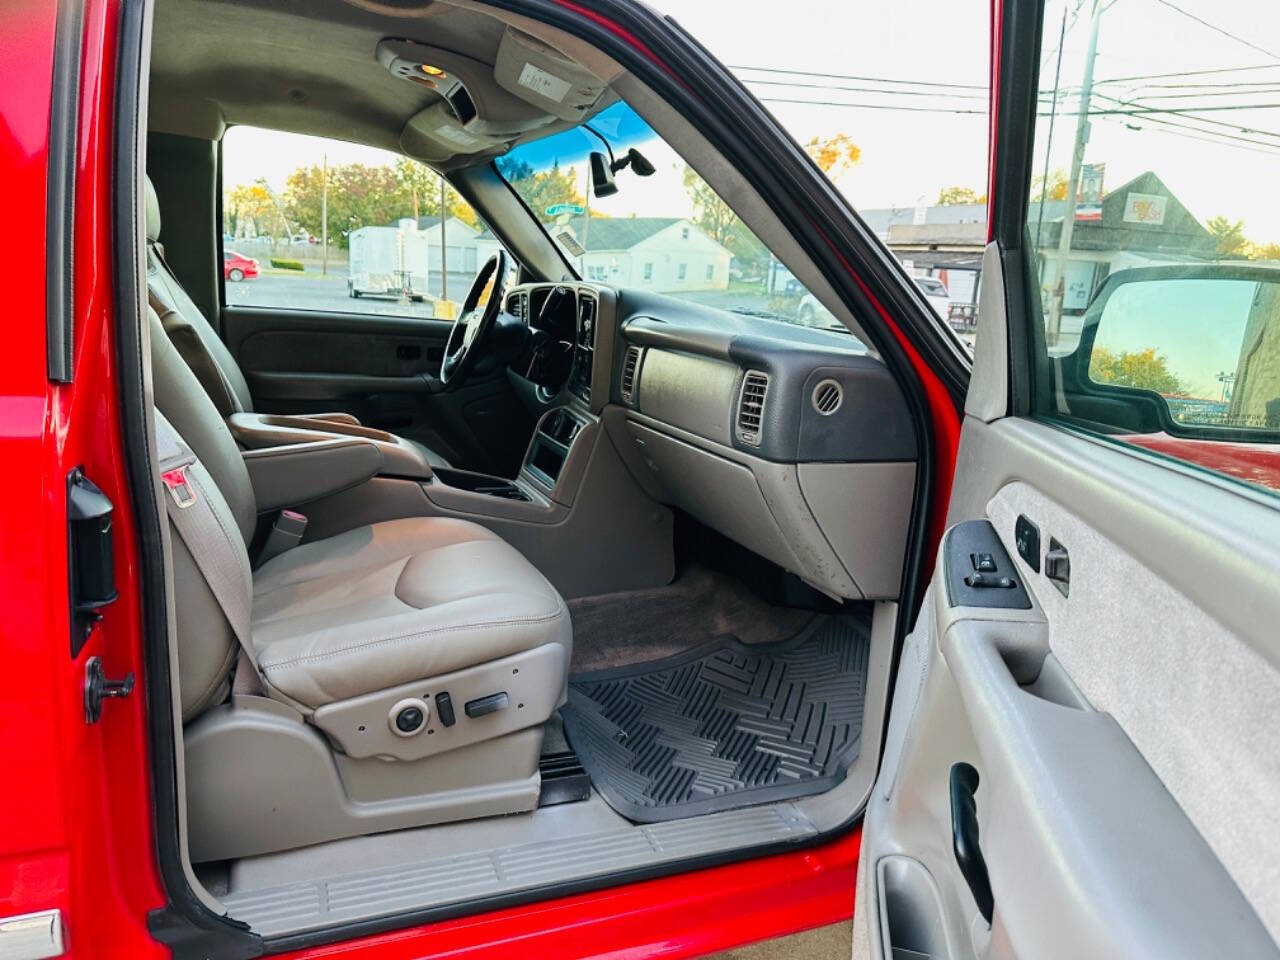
{"x":393,"y":675}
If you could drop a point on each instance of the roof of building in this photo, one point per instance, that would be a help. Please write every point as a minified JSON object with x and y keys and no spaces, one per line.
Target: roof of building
{"x":620,"y":233}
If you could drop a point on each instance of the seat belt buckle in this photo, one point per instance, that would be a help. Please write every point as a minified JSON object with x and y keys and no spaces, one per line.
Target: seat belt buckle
{"x":286,"y":533}
{"x":179,"y":487}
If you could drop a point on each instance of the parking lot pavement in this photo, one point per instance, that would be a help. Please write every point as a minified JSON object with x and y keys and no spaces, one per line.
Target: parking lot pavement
{"x":315,"y":291}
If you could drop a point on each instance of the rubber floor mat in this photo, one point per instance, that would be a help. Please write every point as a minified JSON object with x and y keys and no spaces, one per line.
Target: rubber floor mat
{"x":725,"y":725}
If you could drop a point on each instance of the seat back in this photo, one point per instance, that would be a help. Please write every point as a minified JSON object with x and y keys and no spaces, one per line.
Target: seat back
{"x":207,"y":645}
{"x":184,"y":323}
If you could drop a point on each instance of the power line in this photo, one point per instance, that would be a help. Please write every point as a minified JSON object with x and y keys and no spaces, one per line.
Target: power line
{"x":874,"y":106}
{"x":895,"y":93}
{"x":1190,"y":73}
{"x":846,"y":76}
{"x":1217,"y":29}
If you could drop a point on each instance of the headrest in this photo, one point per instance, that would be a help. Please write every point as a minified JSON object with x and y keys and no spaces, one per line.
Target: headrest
{"x":153,"y":211}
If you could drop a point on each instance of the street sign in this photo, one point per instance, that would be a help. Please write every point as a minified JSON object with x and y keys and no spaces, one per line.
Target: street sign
{"x":556,"y":209}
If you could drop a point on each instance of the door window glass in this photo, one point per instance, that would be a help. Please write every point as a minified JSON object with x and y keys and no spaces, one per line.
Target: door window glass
{"x":1156,"y":315}
{"x":315,"y":224}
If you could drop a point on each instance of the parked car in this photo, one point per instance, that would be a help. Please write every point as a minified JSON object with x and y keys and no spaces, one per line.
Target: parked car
{"x":237,"y":267}
{"x":935,"y":291}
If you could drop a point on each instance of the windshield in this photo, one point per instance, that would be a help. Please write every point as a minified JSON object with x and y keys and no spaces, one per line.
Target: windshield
{"x":667,"y":232}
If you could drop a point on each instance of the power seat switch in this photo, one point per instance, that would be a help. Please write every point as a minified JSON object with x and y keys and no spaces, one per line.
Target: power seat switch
{"x":486,"y":705}
{"x":444,"y":709}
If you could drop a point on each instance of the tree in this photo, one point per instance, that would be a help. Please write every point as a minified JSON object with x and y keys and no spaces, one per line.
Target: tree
{"x":249,"y":210}
{"x":1144,"y":369}
{"x":712,"y":214}
{"x":541,"y":190}
{"x":1265,"y":251}
{"x":1052,"y":187}
{"x":1229,"y":236}
{"x":955,"y":196}
{"x":834,"y":154}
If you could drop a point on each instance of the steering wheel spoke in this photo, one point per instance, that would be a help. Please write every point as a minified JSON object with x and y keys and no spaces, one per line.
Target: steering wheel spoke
{"x":473,"y":323}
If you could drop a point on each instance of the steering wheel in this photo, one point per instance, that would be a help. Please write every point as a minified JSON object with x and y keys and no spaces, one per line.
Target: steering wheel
{"x":474,"y":322}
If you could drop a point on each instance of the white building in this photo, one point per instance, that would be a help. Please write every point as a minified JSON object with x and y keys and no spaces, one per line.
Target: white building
{"x":662,"y":254}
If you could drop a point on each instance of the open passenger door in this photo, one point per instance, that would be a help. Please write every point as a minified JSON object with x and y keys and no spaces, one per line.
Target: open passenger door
{"x":1083,"y":753}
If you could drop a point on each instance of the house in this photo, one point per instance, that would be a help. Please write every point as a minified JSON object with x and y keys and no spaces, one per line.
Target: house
{"x":1140,"y":223}
{"x":663,"y":254}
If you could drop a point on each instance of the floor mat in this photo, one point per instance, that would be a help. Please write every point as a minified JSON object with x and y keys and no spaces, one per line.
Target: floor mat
{"x":724,"y":725}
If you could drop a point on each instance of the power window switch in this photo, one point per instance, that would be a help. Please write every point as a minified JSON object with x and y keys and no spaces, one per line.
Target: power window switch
{"x":983,"y":562}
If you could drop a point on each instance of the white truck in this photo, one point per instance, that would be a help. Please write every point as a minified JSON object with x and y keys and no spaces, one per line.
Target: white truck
{"x":389,"y":262}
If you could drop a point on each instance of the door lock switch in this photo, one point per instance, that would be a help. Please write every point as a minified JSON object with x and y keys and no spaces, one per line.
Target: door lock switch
{"x":981,"y":581}
{"x":983,"y":562}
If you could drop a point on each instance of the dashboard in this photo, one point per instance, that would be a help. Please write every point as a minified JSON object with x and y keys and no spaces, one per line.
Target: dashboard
{"x":795,"y":442}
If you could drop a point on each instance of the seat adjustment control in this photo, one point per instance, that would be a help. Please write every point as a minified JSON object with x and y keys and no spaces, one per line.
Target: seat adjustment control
{"x":444,"y":709}
{"x":408,"y":717}
{"x":485,"y":705}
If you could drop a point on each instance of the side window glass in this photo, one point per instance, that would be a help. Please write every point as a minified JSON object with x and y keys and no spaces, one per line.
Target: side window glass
{"x":315,"y":224}
{"x":1157,"y":311}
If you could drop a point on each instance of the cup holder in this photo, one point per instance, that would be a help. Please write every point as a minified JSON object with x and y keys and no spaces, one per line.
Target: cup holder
{"x":480,"y":483}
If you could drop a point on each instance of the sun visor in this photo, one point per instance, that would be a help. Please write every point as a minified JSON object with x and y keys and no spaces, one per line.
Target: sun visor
{"x":542,"y":76}
{"x":436,"y":135}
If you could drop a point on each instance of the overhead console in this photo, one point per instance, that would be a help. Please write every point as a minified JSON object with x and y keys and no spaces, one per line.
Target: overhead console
{"x":535,"y":87}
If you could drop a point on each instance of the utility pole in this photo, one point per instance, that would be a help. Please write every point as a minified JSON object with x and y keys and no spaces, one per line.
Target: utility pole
{"x":324,"y":215}
{"x":1057,"y":290}
{"x":444,"y":270}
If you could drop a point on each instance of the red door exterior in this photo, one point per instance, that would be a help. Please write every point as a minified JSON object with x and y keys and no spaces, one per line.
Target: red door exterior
{"x":76,"y":815}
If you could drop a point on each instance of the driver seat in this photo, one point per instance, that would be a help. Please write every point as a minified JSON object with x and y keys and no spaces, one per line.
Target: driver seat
{"x":199,"y":344}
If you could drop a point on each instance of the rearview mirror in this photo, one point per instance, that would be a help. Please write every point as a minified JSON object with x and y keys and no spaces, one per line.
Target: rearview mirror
{"x":1204,"y":339}
{"x":602,"y":183}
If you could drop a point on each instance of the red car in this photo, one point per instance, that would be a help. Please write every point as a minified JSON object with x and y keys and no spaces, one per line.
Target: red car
{"x":623,"y":616}
{"x":236,"y":267}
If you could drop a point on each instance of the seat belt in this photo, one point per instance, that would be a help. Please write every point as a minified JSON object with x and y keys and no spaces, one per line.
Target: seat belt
{"x":203,"y":520}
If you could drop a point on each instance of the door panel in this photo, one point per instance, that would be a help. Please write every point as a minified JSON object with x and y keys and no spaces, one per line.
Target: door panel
{"x":382,"y":369}
{"x":1124,"y":734}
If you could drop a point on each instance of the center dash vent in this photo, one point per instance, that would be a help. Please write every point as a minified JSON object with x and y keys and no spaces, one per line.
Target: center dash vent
{"x":755,"y":386}
{"x":630,"y":366}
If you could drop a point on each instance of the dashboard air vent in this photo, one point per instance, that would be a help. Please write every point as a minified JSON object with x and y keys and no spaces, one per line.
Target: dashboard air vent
{"x":518,"y":305}
{"x":630,"y":366}
{"x":755,"y":386}
{"x":827,"y":397}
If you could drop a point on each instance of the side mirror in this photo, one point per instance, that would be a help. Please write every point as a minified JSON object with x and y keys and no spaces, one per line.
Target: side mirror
{"x":1202,"y":342}
{"x":602,"y":182}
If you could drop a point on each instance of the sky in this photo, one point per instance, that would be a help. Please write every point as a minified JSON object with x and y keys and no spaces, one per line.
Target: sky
{"x":934,"y":136}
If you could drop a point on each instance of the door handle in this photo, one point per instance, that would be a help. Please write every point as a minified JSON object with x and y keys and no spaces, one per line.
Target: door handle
{"x":964,"y":837}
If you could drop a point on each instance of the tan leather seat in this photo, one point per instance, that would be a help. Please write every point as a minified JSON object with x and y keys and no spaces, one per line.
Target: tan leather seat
{"x":381,"y":605}
{"x":396,"y":601}
{"x":199,"y":344}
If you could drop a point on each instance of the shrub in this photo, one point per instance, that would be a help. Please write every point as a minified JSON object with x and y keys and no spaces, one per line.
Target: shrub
{"x":282,"y":264}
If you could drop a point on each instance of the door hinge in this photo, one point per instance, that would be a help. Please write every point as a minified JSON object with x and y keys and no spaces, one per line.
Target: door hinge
{"x":98,"y":689}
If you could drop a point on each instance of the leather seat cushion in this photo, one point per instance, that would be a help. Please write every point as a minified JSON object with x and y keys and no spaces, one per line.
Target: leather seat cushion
{"x":396,"y":602}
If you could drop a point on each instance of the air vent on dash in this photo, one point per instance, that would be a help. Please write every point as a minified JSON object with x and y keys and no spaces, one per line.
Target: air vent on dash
{"x":827,"y":397}
{"x":755,"y":385}
{"x":630,"y":364}
{"x":518,"y":305}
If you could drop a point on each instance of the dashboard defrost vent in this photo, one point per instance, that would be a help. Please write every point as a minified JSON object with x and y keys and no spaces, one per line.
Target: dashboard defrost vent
{"x":827,"y":397}
{"x":755,"y":387}
{"x":630,"y":366}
